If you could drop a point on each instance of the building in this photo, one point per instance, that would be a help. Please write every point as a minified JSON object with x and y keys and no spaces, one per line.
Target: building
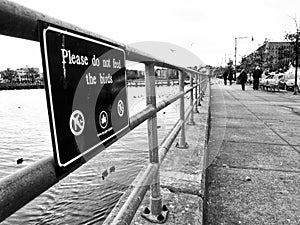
{"x":164,"y":73}
{"x":27,"y":75}
{"x":270,"y":55}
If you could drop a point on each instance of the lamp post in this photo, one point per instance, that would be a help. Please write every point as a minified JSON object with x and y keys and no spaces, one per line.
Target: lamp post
{"x":235,"y":50}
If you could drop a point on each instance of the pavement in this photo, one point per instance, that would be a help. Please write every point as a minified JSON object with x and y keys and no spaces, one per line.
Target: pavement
{"x":253,"y":170}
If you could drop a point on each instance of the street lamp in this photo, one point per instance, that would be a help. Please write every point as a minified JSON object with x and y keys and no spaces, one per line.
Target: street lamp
{"x":235,"y":50}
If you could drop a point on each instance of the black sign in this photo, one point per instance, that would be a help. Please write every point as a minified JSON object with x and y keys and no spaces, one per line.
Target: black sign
{"x":86,"y":93}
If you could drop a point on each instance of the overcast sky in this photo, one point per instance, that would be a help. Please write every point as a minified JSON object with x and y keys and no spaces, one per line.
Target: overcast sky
{"x":205,"y":27}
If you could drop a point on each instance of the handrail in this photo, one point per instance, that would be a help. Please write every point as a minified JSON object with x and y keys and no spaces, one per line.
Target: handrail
{"x":19,"y":188}
{"x":44,"y":172}
{"x":21,"y":22}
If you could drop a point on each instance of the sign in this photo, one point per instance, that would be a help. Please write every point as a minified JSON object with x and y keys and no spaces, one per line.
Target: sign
{"x":86,"y":93}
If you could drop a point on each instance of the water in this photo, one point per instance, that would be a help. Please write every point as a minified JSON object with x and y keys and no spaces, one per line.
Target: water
{"x":83,"y":197}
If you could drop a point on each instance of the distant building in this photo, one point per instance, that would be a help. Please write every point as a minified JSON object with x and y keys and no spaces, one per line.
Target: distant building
{"x":271,"y":55}
{"x":134,"y":74}
{"x":27,"y":75}
{"x":164,"y":73}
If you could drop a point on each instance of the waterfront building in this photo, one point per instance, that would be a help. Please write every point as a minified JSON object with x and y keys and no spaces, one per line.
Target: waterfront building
{"x":27,"y":75}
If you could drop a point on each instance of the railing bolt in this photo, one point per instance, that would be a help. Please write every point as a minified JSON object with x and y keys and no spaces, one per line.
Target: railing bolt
{"x":161,"y":218}
{"x":146,"y":210}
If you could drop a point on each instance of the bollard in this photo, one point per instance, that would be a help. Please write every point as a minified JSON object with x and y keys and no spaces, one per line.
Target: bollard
{"x":182,"y":142}
{"x":191,"y":120}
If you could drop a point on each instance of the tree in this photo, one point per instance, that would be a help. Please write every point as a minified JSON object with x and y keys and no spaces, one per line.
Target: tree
{"x":32,"y":74}
{"x":8,"y":74}
{"x":294,"y":40}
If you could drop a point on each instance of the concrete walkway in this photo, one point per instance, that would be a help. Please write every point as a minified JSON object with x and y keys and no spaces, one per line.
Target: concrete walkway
{"x":254,"y":157}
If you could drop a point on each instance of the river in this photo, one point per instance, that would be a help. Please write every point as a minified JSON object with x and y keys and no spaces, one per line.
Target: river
{"x":83,"y":197}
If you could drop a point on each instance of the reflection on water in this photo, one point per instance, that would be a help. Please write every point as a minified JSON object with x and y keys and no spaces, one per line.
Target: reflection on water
{"x":89,"y":194}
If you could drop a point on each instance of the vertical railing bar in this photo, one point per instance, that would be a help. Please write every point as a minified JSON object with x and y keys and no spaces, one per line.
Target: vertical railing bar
{"x":182,"y":141}
{"x":155,"y":195}
{"x":196,"y":92}
{"x":191,"y":120}
{"x":200,"y":86}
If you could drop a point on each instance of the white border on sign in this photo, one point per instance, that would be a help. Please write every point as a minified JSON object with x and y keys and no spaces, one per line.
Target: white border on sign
{"x":50,"y":92}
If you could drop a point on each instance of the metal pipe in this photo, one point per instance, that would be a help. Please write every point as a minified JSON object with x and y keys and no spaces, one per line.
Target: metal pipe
{"x":141,"y":116}
{"x":191,"y":120}
{"x":182,"y":141}
{"x":165,"y":146}
{"x":155,"y":196}
{"x":22,"y":22}
{"x":163,"y":103}
{"x":196,"y":93}
{"x":21,"y":187}
{"x":200,"y":85}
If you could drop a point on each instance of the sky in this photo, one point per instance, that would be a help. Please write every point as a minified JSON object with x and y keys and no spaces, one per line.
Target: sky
{"x":206,"y":28}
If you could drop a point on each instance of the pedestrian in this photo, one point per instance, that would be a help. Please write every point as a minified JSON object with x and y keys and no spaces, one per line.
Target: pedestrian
{"x":256,"y":75}
{"x":243,"y":78}
{"x":230,"y":77}
{"x":225,"y":75}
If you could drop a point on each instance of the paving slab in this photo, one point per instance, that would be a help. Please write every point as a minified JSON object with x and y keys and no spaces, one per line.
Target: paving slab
{"x":252,"y":197}
{"x":258,"y":156}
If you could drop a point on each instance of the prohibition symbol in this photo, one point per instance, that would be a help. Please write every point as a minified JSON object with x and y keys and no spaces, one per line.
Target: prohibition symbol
{"x":120,"y":108}
{"x":103,"y":119}
{"x":76,"y":122}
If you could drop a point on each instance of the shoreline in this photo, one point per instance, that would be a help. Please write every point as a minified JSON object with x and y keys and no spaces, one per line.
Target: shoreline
{"x":6,"y":86}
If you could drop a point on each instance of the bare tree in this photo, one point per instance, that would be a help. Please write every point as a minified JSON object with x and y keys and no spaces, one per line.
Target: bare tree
{"x":294,"y":40}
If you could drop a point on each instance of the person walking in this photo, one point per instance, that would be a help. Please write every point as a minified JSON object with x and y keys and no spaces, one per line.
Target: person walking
{"x":230,"y":77}
{"x":256,"y":75}
{"x":243,"y":78}
{"x":225,"y":75}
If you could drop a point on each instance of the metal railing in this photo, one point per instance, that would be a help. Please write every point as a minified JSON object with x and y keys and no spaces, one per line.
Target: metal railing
{"x":19,"y":188}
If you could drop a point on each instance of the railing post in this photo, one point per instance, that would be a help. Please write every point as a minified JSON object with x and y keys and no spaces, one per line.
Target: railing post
{"x":196,"y":93}
{"x":155,"y":213}
{"x":200,"y":95}
{"x":181,"y":142}
{"x":191,"y":120}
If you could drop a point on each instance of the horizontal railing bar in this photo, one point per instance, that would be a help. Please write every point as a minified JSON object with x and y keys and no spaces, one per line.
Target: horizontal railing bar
{"x":21,"y":187}
{"x":167,"y":143}
{"x":164,"y":103}
{"x":22,"y":22}
{"x":141,"y":117}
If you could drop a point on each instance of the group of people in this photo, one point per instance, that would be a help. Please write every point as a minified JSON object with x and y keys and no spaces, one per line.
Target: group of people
{"x":243,"y":77}
{"x":228,"y":75}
